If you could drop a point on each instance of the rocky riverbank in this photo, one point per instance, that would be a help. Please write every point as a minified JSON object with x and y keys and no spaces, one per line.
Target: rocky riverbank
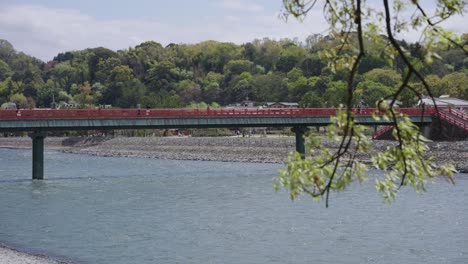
{"x":248,"y":149}
{"x":11,"y":256}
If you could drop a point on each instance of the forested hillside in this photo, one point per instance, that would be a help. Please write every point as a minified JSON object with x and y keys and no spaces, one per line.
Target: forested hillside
{"x":179,"y":74}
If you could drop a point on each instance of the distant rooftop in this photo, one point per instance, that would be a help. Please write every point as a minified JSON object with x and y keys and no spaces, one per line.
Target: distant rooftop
{"x":444,"y":101}
{"x":282,"y":103}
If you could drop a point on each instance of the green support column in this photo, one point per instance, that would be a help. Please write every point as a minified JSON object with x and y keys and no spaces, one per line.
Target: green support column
{"x":38,"y":154}
{"x":300,"y":141}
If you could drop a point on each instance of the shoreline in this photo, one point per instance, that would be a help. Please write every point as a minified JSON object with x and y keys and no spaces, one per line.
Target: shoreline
{"x":16,"y":255}
{"x":228,"y":149}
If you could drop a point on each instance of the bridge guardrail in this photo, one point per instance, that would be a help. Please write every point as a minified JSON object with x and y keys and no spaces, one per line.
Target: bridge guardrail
{"x":382,"y":131}
{"x":208,"y":112}
{"x":458,"y":114}
{"x":452,"y":120}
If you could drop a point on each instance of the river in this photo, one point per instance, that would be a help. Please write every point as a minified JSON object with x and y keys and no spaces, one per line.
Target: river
{"x":134,"y":210}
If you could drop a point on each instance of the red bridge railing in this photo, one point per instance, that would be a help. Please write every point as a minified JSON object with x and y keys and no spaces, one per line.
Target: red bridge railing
{"x":455,"y":118}
{"x":382,"y":131}
{"x":175,"y":113}
{"x":458,"y":114}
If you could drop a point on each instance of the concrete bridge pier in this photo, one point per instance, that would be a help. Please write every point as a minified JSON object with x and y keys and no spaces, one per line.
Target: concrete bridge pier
{"x":300,"y":140}
{"x":38,"y":154}
{"x":425,"y":130}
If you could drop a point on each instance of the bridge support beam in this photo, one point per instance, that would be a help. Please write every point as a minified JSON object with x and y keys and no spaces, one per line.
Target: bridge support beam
{"x":38,"y":154}
{"x":300,"y":140}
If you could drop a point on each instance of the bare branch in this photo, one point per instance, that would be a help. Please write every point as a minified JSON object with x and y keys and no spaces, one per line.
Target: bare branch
{"x":433,"y":25}
{"x":344,"y":147}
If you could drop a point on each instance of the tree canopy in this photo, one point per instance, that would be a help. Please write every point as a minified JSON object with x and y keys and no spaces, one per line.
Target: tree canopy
{"x":374,"y":67}
{"x":263,"y":70}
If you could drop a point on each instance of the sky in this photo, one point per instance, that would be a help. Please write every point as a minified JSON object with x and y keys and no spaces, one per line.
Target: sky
{"x":44,"y":28}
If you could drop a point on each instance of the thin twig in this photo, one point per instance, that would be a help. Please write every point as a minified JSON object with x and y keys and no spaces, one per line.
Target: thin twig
{"x":433,"y":25}
{"x":352,"y":75}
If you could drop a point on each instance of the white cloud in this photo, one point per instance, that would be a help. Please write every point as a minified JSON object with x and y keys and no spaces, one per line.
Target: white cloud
{"x":234,"y":19}
{"x":242,"y":5}
{"x":44,"y":32}
{"x":456,"y":24}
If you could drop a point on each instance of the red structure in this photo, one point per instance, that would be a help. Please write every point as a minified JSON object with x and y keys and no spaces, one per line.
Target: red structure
{"x":454,"y":117}
{"x":216,"y":112}
{"x":39,"y":121}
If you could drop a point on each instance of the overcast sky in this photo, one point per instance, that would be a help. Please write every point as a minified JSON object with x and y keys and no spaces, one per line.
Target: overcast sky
{"x":45,"y":28}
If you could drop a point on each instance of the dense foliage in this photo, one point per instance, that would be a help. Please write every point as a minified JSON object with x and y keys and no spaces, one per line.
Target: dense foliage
{"x":374,"y":28}
{"x":180,"y":75}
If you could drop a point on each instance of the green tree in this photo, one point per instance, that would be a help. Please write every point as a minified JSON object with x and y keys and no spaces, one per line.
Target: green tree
{"x":336,"y":94}
{"x":7,"y":52}
{"x":312,"y":66}
{"x":120,"y":73}
{"x":47,"y":93}
{"x":290,"y":57}
{"x":372,"y":62}
{"x":5,"y":70}
{"x":386,"y":77}
{"x":133,"y":92}
{"x":84,"y":96}
{"x":10,"y":87}
{"x":236,"y":67}
{"x":162,"y":100}
{"x":105,"y":67}
{"x":63,"y":97}
{"x":20,"y":100}
{"x":211,"y":92}
{"x":250,"y":51}
{"x":98,"y":90}
{"x":97,"y":55}
{"x":299,"y":85}
{"x":238,"y":89}
{"x":353,"y":22}
{"x":268,"y":53}
{"x":188,"y":91}
{"x":203,"y":105}
{"x":311,"y":100}
{"x":213,"y":56}
{"x":119,"y":80}
{"x":270,"y":87}
{"x":159,"y":76}
{"x":456,"y":85}
{"x":64,"y":75}
{"x":436,"y":85}
{"x":211,"y":89}
{"x":371,"y":92}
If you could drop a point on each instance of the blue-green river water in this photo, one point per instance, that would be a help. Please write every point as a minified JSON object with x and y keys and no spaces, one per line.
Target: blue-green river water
{"x":130,"y":210}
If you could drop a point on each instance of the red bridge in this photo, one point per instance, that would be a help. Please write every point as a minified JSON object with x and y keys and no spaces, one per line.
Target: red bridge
{"x":39,"y":121}
{"x":208,"y":112}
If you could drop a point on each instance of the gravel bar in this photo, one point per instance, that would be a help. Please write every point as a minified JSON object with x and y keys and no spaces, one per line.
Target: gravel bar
{"x":241,"y":149}
{"x":11,"y":256}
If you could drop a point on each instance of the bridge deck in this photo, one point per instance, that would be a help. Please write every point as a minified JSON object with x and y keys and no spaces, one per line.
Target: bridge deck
{"x":97,"y":119}
{"x":138,"y":113}
{"x":41,"y":121}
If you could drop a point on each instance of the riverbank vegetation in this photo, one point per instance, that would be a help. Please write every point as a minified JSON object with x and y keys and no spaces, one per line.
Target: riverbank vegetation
{"x":263,"y":70}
